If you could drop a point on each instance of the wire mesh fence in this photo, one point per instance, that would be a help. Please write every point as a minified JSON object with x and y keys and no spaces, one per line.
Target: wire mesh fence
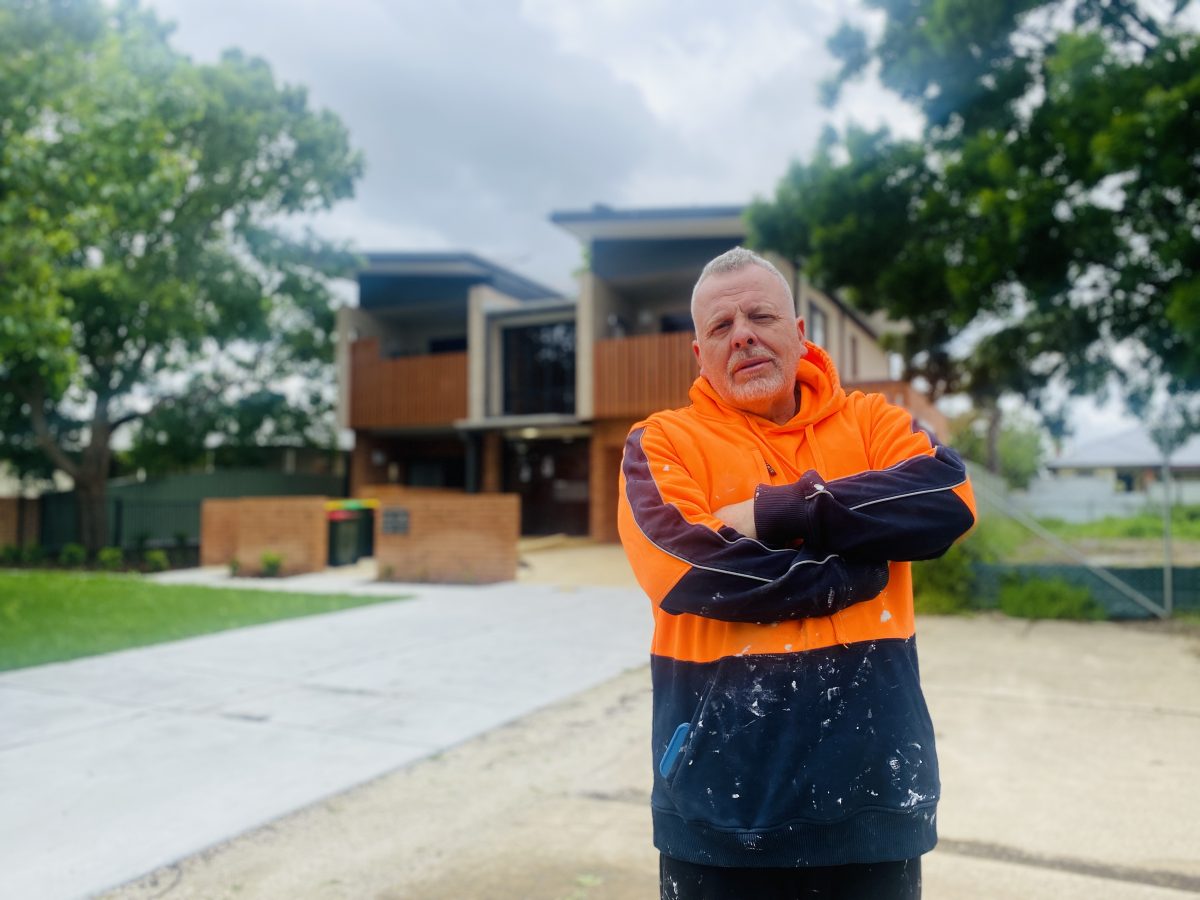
{"x":1048,"y":566}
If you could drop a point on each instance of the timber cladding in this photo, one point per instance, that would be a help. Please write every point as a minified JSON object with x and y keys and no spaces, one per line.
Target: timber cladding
{"x":445,"y":536}
{"x":20,"y":521}
{"x":294,"y":528}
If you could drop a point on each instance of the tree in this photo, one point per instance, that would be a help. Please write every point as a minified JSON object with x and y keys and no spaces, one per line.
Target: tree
{"x":1017,"y":447}
{"x":143,"y":265}
{"x":1043,"y":233}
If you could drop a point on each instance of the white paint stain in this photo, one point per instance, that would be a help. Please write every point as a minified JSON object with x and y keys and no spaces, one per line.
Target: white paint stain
{"x":885,"y":617}
{"x":736,"y":796}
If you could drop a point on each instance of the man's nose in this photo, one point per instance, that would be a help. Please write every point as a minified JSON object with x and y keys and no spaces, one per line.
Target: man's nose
{"x":743,"y":334}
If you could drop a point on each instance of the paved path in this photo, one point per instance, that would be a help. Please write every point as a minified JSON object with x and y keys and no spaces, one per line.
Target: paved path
{"x":114,"y":765}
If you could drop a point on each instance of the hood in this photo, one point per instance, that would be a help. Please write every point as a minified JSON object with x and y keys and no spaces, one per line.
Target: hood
{"x":821,"y":394}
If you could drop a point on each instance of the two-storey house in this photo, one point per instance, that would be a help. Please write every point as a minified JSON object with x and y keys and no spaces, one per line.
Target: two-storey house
{"x":455,"y":372}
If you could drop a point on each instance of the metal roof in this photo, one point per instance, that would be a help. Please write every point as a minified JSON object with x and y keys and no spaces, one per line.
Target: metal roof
{"x":1127,"y":449}
{"x":456,"y":265}
{"x":603,"y":221}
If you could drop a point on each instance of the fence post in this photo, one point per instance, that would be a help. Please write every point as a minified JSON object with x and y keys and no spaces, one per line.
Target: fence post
{"x":1168,"y":579}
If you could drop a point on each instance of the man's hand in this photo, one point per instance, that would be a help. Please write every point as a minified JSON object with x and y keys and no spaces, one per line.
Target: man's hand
{"x":739,"y":517}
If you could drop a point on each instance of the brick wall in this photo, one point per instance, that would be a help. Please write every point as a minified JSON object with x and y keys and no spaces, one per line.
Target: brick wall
{"x":218,"y":531}
{"x":453,"y":537}
{"x":244,"y":529}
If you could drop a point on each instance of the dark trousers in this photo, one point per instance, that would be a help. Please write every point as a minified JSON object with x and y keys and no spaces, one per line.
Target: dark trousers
{"x":869,"y":881}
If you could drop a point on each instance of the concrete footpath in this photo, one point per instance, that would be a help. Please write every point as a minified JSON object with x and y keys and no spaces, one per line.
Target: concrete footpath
{"x":115,"y":765}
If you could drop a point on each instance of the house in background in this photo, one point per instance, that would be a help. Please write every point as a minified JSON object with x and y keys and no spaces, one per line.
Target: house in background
{"x":1119,"y":475}
{"x":455,"y":372}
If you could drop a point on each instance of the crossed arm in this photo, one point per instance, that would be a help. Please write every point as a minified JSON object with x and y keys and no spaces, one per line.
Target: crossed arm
{"x":793,"y":551}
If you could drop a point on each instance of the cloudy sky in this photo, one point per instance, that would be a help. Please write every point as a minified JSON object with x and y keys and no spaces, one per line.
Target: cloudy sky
{"x":479,"y":118}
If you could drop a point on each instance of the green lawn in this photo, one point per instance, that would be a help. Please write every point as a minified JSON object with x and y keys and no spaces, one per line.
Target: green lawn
{"x":1185,"y":525}
{"x":50,"y":616}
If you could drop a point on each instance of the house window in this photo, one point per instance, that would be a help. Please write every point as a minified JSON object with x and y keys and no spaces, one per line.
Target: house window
{"x":818,"y":325}
{"x":853,"y":356}
{"x":539,"y":369}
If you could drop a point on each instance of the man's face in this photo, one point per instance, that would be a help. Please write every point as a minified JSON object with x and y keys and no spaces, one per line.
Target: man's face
{"x":749,"y":341}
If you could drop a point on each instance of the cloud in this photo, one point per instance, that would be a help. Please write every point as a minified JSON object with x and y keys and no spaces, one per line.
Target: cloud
{"x":480,"y":117}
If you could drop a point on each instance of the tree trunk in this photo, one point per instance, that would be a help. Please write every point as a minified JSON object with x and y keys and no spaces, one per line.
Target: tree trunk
{"x":91,"y":494}
{"x":994,"y":421}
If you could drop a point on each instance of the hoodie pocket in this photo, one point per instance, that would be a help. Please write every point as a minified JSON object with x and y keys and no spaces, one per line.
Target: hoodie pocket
{"x":677,"y":754}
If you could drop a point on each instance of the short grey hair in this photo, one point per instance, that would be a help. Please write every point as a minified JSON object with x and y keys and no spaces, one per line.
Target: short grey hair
{"x":734,"y":261}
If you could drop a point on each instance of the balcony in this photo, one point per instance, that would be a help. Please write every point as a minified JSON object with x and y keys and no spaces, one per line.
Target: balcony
{"x":411,"y":391}
{"x":636,"y":376}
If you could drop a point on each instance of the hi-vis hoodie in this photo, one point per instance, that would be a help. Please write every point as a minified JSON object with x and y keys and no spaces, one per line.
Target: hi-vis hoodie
{"x":789,"y":726}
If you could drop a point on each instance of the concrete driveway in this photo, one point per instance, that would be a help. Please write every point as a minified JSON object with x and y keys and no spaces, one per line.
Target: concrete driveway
{"x":1068,"y":755}
{"x":114,"y":765}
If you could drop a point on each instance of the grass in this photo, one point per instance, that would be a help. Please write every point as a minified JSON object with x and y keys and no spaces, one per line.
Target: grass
{"x":53,"y":616}
{"x":1185,"y":525}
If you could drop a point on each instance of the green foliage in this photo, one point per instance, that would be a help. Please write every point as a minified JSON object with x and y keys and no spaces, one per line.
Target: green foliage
{"x":1019,"y":447}
{"x":1046,"y":212}
{"x":141,"y":197}
{"x":32,"y":555}
{"x":110,"y":559}
{"x":10,"y":555}
{"x":156,"y":561}
{"x":272,"y":564}
{"x":946,"y":585}
{"x":235,"y":566}
{"x":1047,"y":598}
{"x":72,"y":556}
{"x":52,"y":616}
{"x":1185,"y":525}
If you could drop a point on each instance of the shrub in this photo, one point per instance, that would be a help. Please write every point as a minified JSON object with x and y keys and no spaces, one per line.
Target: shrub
{"x":156,"y":561}
{"x":1047,"y":598}
{"x":72,"y":556}
{"x":33,"y":554}
{"x":235,"y":566}
{"x":272,"y":563}
{"x":10,"y":555}
{"x":110,"y":558}
{"x":946,"y":585}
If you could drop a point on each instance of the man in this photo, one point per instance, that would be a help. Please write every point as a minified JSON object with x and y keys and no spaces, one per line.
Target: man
{"x":771,"y":524}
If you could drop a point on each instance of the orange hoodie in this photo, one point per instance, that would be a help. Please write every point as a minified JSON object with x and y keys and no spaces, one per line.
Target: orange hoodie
{"x":846,"y":493}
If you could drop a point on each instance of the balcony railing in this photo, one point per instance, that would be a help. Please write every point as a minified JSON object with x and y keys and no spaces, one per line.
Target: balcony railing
{"x":405,"y":392}
{"x":636,"y":376}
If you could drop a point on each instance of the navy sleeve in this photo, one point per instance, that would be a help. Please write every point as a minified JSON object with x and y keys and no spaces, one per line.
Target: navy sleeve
{"x":912,"y":510}
{"x":726,"y":575}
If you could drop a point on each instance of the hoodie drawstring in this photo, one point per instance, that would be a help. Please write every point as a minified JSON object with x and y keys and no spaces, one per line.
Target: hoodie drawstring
{"x":811,"y":434}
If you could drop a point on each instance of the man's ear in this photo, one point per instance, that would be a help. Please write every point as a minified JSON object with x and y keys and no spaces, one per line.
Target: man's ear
{"x":800,"y":328}
{"x":696,"y":350}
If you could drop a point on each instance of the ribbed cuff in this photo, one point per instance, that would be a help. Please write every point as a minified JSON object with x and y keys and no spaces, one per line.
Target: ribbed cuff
{"x":777,"y":510}
{"x":784,"y":513}
{"x":866,"y":580}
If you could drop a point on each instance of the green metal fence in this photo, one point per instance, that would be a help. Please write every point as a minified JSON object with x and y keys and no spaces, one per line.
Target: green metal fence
{"x":165,"y":512}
